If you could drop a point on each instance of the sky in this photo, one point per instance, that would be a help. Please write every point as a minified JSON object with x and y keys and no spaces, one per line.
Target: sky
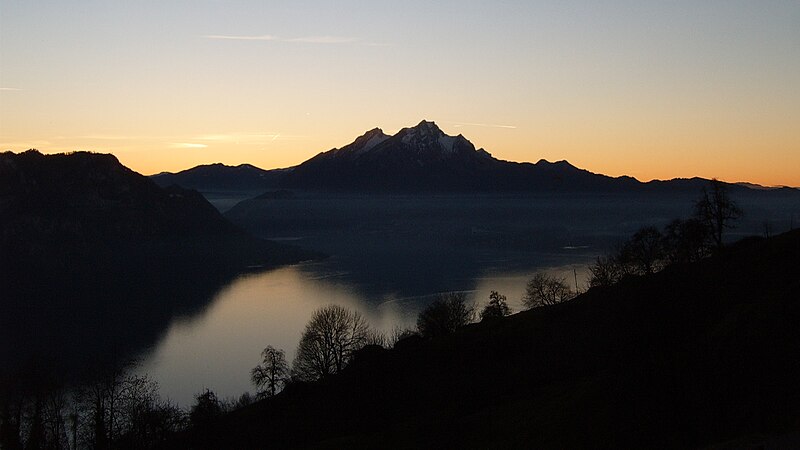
{"x":651,"y":89}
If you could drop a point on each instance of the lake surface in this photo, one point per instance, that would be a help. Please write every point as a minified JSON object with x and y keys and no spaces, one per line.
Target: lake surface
{"x":216,"y":348}
{"x":389,"y":257}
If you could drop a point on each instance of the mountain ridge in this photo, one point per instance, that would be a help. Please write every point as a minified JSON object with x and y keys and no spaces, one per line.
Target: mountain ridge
{"x":421,"y":158}
{"x":93,"y":250}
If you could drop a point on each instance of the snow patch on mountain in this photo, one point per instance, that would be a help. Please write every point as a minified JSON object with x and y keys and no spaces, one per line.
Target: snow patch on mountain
{"x":447,"y":143}
{"x":373,"y":142}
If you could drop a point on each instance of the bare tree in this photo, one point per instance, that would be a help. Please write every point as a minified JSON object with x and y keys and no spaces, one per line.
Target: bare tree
{"x":101,"y":403}
{"x":449,"y":312}
{"x":497,"y":306}
{"x":121,"y":409}
{"x":685,"y":241}
{"x":604,"y":272}
{"x":328,"y":342}
{"x":270,"y":376}
{"x":716,"y":211}
{"x":398,"y":334}
{"x":546,"y":290}
{"x":643,"y":253}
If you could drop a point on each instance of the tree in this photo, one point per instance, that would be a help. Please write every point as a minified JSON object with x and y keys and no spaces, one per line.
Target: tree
{"x":206,"y":410}
{"x":643,"y":253}
{"x":546,"y":290}
{"x":328,"y":342}
{"x":446,"y":314}
{"x":398,"y":334}
{"x":497,"y":306}
{"x":605,"y":271}
{"x":102,"y":403}
{"x":270,"y":376}
{"x":685,"y":241}
{"x":716,"y":211}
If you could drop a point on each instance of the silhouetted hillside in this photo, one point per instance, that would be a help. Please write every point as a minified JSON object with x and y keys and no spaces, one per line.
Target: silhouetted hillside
{"x":219,"y":177}
{"x":88,"y":200}
{"x":694,"y":355}
{"x":95,"y":253}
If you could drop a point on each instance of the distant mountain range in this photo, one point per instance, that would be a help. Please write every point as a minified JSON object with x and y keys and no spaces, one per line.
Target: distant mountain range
{"x":417,"y":159}
{"x":219,"y":177}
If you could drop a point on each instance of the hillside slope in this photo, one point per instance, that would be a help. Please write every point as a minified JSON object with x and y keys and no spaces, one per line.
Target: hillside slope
{"x":93,"y":254}
{"x":695,"y":355}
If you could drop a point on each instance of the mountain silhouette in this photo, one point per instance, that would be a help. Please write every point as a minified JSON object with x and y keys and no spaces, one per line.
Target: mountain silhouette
{"x":95,"y":252}
{"x":424,"y":158}
{"x":420,"y":159}
{"x":49,"y":202}
{"x":219,"y":177}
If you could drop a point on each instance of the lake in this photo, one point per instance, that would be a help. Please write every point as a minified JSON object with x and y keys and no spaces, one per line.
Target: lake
{"x":216,"y":348}
{"x":388,"y":256}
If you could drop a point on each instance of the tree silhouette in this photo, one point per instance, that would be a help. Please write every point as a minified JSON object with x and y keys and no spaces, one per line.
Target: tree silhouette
{"x":448,"y":313}
{"x":206,"y":409}
{"x":685,"y":241}
{"x":328,"y":342}
{"x":643,"y":253}
{"x":546,"y":290}
{"x":717,"y":211}
{"x":270,"y":376}
{"x":605,"y":271}
{"x":497,"y":307}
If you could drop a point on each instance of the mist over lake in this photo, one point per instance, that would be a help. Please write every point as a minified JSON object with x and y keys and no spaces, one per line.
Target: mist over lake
{"x":388,"y":255}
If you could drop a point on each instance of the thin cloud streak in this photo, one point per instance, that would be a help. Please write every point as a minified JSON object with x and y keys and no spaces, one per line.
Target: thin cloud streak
{"x":485,"y":125}
{"x":9,"y":89}
{"x":302,"y":39}
{"x":264,"y":37}
{"x":323,"y":40}
{"x":247,"y":137}
{"x":25,"y":145}
{"x":188,"y":145}
{"x":107,"y":137}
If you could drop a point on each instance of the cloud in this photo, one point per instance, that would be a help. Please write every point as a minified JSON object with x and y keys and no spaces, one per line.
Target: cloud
{"x":323,"y":40}
{"x":486,"y":125}
{"x":108,"y":137}
{"x":269,"y":37}
{"x":263,"y":37}
{"x":246,"y":137}
{"x":25,"y":145}
{"x":9,"y":89}
{"x":187,"y":145}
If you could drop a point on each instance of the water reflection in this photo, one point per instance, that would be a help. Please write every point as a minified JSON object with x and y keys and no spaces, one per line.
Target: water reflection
{"x":217,"y":348}
{"x":390,"y":256}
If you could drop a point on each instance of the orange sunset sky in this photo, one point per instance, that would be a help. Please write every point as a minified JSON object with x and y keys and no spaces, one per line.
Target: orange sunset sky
{"x":650,"y":89}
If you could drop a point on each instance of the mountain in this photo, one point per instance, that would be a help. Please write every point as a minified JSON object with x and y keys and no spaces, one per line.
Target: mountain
{"x":219,"y":177}
{"x":49,"y":202}
{"x":420,"y":159}
{"x":424,"y":158}
{"x":695,"y":355}
{"x":99,"y":254}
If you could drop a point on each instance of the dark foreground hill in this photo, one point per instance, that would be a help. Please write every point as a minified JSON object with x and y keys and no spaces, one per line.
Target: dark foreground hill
{"x":692,"y":356}
{"x":94,"y":254}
